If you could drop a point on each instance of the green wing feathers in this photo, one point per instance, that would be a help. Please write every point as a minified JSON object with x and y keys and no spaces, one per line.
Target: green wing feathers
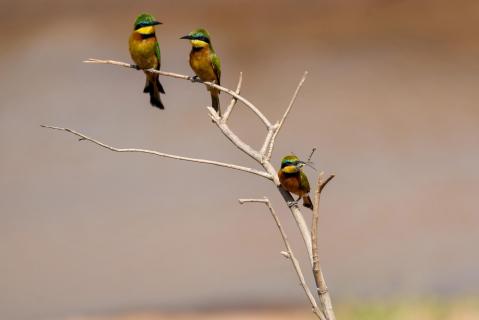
{"x":216,"y":64}
{"x":304,"y":183}
{"x":305,"y":187}
{"x":158,"y":54}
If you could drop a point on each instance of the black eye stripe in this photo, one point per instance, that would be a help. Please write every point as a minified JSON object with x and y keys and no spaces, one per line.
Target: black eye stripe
{"x":289,"y":163}
{"x":202,"y":38}
{"x":286,"y":163}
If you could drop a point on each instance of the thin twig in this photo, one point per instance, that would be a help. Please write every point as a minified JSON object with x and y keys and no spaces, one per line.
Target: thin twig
{"x":240,"y":144}
{"x":325,"y":182}
{"x":232,"y":93}
{"x":161,"y":154}
{"x":322,"y":289}
{"x":316,"y":310}
{"x":285,"y":115}
{"x":229,"y":108}
{"x":311,"y":155}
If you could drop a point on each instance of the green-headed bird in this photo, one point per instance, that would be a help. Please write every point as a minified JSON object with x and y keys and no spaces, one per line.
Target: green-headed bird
{"x":205,"y":63}
{"x":293,"y":179}
{"x":145,"y":51}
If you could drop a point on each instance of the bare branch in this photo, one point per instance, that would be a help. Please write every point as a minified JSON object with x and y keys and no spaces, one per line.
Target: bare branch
{"x":291,"y":255}
{"x":285,"y":115}
{"x":232,"y":136}
{"x":229,"y":108}
{"x":232,"y":93}
{"x":161,"y":154}
{"x":321,"y":287}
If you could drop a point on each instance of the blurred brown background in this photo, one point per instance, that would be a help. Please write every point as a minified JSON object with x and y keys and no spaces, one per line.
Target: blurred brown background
{"x":390,"y":101}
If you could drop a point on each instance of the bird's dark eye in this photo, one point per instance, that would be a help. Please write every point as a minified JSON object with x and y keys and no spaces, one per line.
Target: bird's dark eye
{"x":141,"y":25}
{"x":286,"y":163}
{"x":202,"y":38}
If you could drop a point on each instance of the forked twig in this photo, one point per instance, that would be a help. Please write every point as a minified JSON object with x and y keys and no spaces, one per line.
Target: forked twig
{"x":290,"y":255}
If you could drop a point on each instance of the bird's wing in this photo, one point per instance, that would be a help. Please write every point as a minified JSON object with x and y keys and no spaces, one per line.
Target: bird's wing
{"x":216,"y":64}
{"x":158,"y":55}
{"x":304,"y":182}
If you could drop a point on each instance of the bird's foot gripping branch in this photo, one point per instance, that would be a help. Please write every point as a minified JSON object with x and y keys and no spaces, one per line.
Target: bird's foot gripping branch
{"x":323,"y":308}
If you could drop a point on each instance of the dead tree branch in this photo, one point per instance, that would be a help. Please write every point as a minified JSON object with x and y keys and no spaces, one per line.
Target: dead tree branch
{"x":262,"y":156}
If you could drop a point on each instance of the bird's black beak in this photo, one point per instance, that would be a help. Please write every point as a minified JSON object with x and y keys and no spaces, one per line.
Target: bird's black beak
{"x":302,"y":164}
{"x":154,"y":23}
{"x":188,"y":37}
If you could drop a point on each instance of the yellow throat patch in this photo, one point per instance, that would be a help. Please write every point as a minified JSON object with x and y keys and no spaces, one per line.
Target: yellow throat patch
{"x":290,"y":169}
{"x":199,"y":43}
{"x":146,"y":30}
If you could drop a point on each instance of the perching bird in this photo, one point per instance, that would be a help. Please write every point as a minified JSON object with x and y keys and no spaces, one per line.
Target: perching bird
{"x":293,"y":179}
{"x":205,"y":63}
{"x":145,"y":51}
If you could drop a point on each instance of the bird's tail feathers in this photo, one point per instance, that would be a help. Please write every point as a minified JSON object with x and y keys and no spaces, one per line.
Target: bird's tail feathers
{"x":147,"y":86}
{"x":307,"y":202}
{"x":154,"y":87}
{"x":215,"y":101}
{"x":155,"y":99}
{"x":160,"y":87}
{"x":151,"y":79}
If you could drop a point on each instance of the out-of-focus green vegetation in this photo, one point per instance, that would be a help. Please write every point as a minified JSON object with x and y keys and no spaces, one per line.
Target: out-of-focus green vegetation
{"x":431,"y":309}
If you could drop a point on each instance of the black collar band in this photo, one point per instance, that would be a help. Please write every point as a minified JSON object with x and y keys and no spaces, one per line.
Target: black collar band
{"x":147,"y":36}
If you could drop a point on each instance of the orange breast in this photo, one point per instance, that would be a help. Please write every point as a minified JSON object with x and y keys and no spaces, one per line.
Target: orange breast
{"x":291,"y":183}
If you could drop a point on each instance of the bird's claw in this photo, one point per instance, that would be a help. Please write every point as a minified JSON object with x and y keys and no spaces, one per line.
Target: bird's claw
{"x":137,"y":67}
{"x":194,"y":79}
{"x":292,"y":203}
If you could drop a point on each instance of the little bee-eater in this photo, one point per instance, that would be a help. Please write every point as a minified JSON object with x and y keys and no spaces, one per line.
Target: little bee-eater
{"x":145,"y":51}
{"x":205,"y":63}
{"x":293,"y":179}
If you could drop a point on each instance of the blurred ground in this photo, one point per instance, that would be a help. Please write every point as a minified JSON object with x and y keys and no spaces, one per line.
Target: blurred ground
{"x":391,"y":102}
{"x":412,"y":310}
